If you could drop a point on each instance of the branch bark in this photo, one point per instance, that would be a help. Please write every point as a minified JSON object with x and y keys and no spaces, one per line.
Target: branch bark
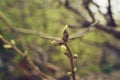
{"x":108,"y":29}
{"x":109,"y":16}
{"x":86,"y":6}
{"x":30,"y":62}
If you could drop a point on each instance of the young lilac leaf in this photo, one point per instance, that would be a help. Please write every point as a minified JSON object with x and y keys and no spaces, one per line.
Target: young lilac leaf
{"x":75,"y":56}
{"x":75,"y":69}
{"x":57,"y":42}
{"x":69,"y":73}
{"x":12,"y":42}
{"x":26,"y":53}
{"x":63,"y":49}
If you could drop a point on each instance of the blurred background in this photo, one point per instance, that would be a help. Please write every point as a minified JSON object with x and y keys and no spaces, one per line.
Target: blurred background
{"x":27,"y":28}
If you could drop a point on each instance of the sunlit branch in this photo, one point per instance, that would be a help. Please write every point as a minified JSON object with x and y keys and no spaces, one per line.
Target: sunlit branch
{"x":37,"y":33}
{"x":81,"y":34}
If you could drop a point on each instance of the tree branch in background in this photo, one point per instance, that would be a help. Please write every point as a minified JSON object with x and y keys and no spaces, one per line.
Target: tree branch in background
{"x":108,"y":16}
{"x":85,"y":22}
{"x":108,"y":29}
{"x":37,"y":33}
{"x":110,"y":20}
{"x":86,"y":5}
{"x":32,"y":32}
{"x":81,"y":34}
{"x":25,"y":31}
{"x":30,"y":62}
{"x":40,"y":51}
{"x":69,"y":7}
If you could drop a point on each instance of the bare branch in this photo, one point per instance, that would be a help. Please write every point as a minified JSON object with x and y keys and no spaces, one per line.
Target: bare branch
{"x":108,"y":29}
{"x":25,"y":31}
{"x":30,"y":62}
{"x":81,"y":34}
{"x":69,"y":7}
{"x":86,"y":5}
{"x":37,"y":33}
{"x":111,"y":21}
{"x":39,"y":50}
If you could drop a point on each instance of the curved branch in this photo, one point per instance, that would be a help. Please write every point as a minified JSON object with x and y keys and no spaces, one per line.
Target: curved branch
{"x":30,"y":62}
{"x":81,"y":34}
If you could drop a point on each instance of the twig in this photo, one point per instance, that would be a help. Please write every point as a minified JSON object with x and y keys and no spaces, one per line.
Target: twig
{"x":67,"y":51}
{"x":70,"y":56}
{"x":25,"y":31}
{"x":81,"y":34}
{"x":32,"y":32}
{"x":35,"y":68}
{"x":69,"y":7}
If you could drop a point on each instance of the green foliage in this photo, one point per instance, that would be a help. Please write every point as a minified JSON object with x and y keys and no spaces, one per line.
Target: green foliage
{"x":83,"y":72}
{"x":95,"y":68}
{"x":18,"y":58}
{"x":107,"y":68}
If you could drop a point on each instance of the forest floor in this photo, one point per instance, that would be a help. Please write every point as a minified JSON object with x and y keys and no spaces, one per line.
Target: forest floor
{"x":115,"y":75}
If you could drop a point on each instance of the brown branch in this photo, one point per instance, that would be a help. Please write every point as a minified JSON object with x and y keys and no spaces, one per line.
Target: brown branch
{"x":40,"y":51}
{"x":109,"y":15}
{"x":35,"y":68}
{"x":81,"y":34}
{"x":6,"y":21}
{"x":86,"y":6}
{"x":112,"y":31}
{"x":69,"y":7}
{"x":110,"y":19}
{"x":70,"y":56}
{"x":64,"y":45}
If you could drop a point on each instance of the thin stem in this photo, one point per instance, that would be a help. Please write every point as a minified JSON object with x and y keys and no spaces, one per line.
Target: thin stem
{"x":70,"y":56}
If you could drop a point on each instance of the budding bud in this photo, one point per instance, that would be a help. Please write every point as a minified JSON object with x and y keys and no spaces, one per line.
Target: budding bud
{"x":75,"y":56}
{"x":65,"y":34}
{"x":7,"y":46}
{"x":75,"y":69}
{"x":63,"y":48}
{"x":57,"y":42}
{"x":69,"y":73}
{"x":12,"y":42}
